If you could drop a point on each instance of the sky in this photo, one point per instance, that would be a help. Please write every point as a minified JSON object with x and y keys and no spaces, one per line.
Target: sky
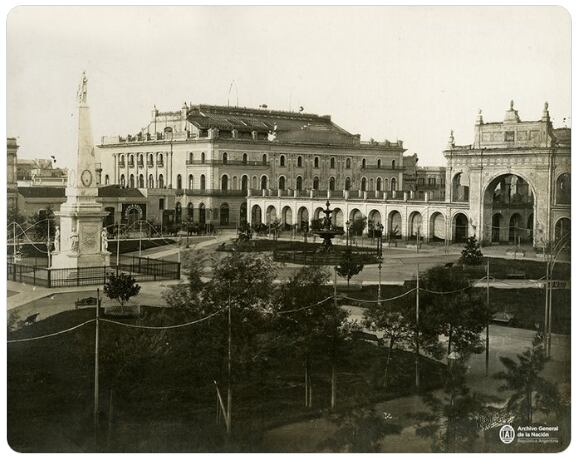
{"x":397,"y":73}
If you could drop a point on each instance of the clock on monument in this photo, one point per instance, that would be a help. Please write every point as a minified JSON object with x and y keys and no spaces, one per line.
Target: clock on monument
{"x":86,"y":177}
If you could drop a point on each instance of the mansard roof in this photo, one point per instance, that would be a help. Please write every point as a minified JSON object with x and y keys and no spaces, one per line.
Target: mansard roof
{"x":289,"y":126}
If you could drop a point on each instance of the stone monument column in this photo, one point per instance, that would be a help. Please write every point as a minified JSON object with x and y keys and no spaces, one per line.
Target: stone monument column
{"x":81,"y":216}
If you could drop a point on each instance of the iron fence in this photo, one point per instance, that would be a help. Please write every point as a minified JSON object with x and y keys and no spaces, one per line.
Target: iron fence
{"x":141,"y":268}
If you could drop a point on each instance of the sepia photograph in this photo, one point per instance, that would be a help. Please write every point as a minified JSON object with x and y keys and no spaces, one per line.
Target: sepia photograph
{"x":288,"y":229}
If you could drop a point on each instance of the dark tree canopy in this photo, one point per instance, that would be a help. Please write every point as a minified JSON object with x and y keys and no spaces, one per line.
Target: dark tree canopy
{"x":121,"y":288}
{"x":471,"y":254}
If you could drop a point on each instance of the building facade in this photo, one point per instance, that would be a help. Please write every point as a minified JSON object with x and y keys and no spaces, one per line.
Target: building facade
{"x":511,"y":185}
{"x":11,"y":160}
{"x":203,"y":161}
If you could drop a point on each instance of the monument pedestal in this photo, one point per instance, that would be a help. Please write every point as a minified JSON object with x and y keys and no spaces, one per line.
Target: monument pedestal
{"x":80,"y":236}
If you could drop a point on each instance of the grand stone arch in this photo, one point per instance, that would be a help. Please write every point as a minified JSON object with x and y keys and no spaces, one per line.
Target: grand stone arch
{"x":502,"y":197}
{"x":437,"y":228}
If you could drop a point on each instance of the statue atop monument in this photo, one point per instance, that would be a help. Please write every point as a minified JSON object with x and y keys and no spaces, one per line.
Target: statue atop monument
{"x":82,"y":91}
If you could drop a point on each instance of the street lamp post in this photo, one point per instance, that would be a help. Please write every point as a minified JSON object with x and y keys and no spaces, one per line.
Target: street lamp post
{"x":379,"y":259}
{"x":554,"y":255}
{"x":348,"y":225}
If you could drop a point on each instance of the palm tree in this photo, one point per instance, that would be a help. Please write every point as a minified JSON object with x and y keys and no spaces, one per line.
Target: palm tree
{"x":530,"y":391}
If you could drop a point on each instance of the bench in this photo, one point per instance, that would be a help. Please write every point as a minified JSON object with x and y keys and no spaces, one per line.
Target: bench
{"x":31,"y":319}
{"x":88,"y":301}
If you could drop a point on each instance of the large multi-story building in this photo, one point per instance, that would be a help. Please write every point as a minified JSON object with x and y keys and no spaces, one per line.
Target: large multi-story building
{"x":11,"y":153}
{"x":511,"y":185}
{"x":201,"y":163}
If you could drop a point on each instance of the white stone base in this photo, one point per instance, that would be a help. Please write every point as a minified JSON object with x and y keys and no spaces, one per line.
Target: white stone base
{"x":75,"y":260}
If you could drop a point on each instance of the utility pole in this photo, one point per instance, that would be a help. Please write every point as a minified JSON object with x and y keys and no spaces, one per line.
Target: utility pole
{"x":418,"y":239}
{"x":379,"y":282}
{"x":488,"y":310}
{"x":96,"y":394}
{"x":418,"y":328}
{"x":333,"y":378}
{"x":48,"y":240}
{"x":118,"y":236}
{"x":229,"y":395}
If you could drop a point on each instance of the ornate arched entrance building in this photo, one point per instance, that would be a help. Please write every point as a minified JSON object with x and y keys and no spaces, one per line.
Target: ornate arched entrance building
{"x":511,"y":185}
{"x":515,"y":177}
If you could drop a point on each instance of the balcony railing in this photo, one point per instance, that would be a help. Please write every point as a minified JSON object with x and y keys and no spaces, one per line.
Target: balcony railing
{"x":149,"y":163}
{"x":383,"y":167}
{"x":121,"y":165}
{"x":230,"y":162}
{"x":195,"y":192}
{"x":159,"y":163}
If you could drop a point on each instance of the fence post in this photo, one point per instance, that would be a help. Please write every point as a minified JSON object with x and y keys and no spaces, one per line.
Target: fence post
{"x":48,"y":277}
{"x":34,"y":275}
{"x":77,"y":275}
{"x":179,"y":272}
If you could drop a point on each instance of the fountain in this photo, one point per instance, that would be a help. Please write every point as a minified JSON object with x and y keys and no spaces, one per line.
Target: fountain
{"x":327,"y":232}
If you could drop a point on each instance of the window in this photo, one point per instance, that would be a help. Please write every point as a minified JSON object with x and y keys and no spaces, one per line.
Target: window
{"x":234,"y":183}
{"x":282,"y":182}
{"x":300,"y":161}
{"x":122,"y":181}
{"x":348,"y":183}
{"x":190,"y":211}
{"x":393,"y":184}
{"x":379,"y":163}
{"x":299,"y":183}
{"x":332,"y":184}
{"x":431,"y":181}
{"x":244,"y":158}
{"x":421,"y":181}
{"x":202,"y":182}
{"x":131,"y":161}
{"x":106,"y":179}
{"x":254,"y":183}
{"x":264,"y":160}
{"x":332,"y":162}
{"x":363,"y":184}
{"x":348,"y":163}
{"x":141,"y":183}
{"x":179,"y":181}
{"x":160,"y":181}
{"x":378,"y":184}
{"x":225,"y":158}
{"x":363,"y":163}
{"x":160,"y":160}
{"x":190,"y":182}
{"x":509,"y":136}
{"x":150,"y":161}
{"x":203,"y":158}
{"x":191,"y":157}
{"x":131,"y":181}
{"x":393,"y":164}
{"x":316,"y":183}
{"x":263,"y":182}
{"x":224,"y":182}
{"x":244,"y":182}
{"x":161,"y":203}
{"x":281,"y":161}
{"x":122,"y":160}
{"x":150,"y":181}
{"x":316,"y":162}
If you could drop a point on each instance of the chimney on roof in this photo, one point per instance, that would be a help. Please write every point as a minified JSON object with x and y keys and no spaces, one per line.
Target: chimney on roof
{"x":546,"y":117}
{"x":479,"y":117}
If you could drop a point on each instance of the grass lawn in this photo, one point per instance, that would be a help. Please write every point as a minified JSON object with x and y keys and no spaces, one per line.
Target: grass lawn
{"x":527,"y":304}
{"x":156,"y":395}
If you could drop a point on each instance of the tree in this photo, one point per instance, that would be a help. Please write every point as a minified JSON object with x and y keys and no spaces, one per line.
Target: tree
{"x":471,"y":254}
{"x":121,"y":287}
{"x":348,"y":266}
{"x":453,"y":420}
{"x":530,"y":391}
{"x":358,"y":226}
{"x":360,"y":431}
{"x":457,"y":312}
{"x":396,"y":329}
{"x":42,"y":223}
{"x":188,"y":295}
